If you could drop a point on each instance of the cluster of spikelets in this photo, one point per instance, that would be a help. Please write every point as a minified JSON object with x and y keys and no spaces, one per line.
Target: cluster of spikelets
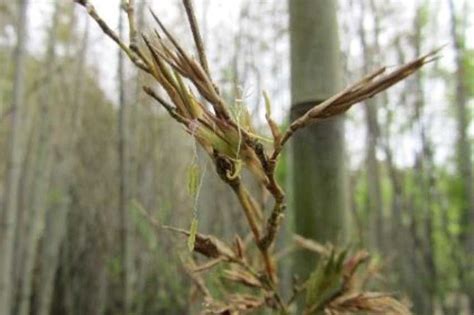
{"x":195,"y":102}
{"x":217,"y":131}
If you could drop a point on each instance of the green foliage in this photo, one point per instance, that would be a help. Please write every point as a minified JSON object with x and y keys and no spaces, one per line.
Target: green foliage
{"x":282,"y":168}
{"x":424,"y":14}
{"x":193,"y":179}
{"x":325,"y":281}
{"x":114,"y":267}
{"x":469,"y":72}
{"x":193,"y":229}
{"x":451,"y":186}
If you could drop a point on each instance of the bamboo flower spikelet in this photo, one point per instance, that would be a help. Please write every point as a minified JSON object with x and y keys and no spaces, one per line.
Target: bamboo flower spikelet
{"x":193,"y":100}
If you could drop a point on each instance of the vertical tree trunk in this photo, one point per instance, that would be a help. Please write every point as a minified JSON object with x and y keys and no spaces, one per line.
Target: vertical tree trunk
{"x":9,"y":215}
{"x":374,"y":182}
{"x":42,"y":171}
{"x":464,"y":155}
{"x":424,"y":179}
{"x":133,"y":179}
{"x":78,"y":99}
{"x":49,"y":258}
{"x":122,"y":157}
{"x":318,"y":170}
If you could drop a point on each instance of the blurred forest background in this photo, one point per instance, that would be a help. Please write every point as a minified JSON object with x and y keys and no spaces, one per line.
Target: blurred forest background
{"x":82,"y":150}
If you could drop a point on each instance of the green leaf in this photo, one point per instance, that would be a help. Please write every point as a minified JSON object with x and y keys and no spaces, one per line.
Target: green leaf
{"x":192,"y":234}
{"x":325,"y":280}
{"x":469,"y":71}
{"x":194,"y":177}
{"x":268,"y":104}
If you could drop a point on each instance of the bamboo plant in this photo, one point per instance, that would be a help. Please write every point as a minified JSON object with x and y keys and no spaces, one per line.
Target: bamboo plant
{"x":193,"y":100}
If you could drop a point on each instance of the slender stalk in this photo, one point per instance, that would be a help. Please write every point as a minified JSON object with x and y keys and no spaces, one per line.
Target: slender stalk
{"x":133,"y":34}
{"x":113,"y":35}
{"x":250,"y":209}
{"x":188,"y":5}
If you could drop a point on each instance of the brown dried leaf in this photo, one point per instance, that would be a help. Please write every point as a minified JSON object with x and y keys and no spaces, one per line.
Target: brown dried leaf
{"x":310,"y":245}
{"x":243,"y":277}
{"x":239,"y":247}
{"x":197,"y":279}
{"x":210,"y":246}
{"x":369,"y":302}
{"x":271,"y":123}
{"x":246,"y":302}
{"x":206,"y":266}
{"x":217,"y":307}
{"x":235,"y":304}
{"x":351,"y":266}
{"x":206,"y":245}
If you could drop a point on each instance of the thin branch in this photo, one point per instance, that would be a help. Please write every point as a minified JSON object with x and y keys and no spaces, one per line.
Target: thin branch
{"x":251,"y":210}
{"x":198,"y":281}
{"x":113,"y":35}
{"x":170,"y":108}
{"x":170,"y":36}
{"x":274,"y":220}
{"x":188,"y":5}
{"x":133,"y":34}
{"x":249,"y":207}
{"x":208,"y":265}
{"x":310,"y":245}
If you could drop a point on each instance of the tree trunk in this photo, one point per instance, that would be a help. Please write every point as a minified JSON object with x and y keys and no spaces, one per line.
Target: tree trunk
{"x":42,"y":171}
{"x":123,"y":189}
{"x":425,"y":178}
{"x":374,"y":182}
{"x":9,"y":215}
{"x":318,"y":195}
{"x":464,"y":155}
